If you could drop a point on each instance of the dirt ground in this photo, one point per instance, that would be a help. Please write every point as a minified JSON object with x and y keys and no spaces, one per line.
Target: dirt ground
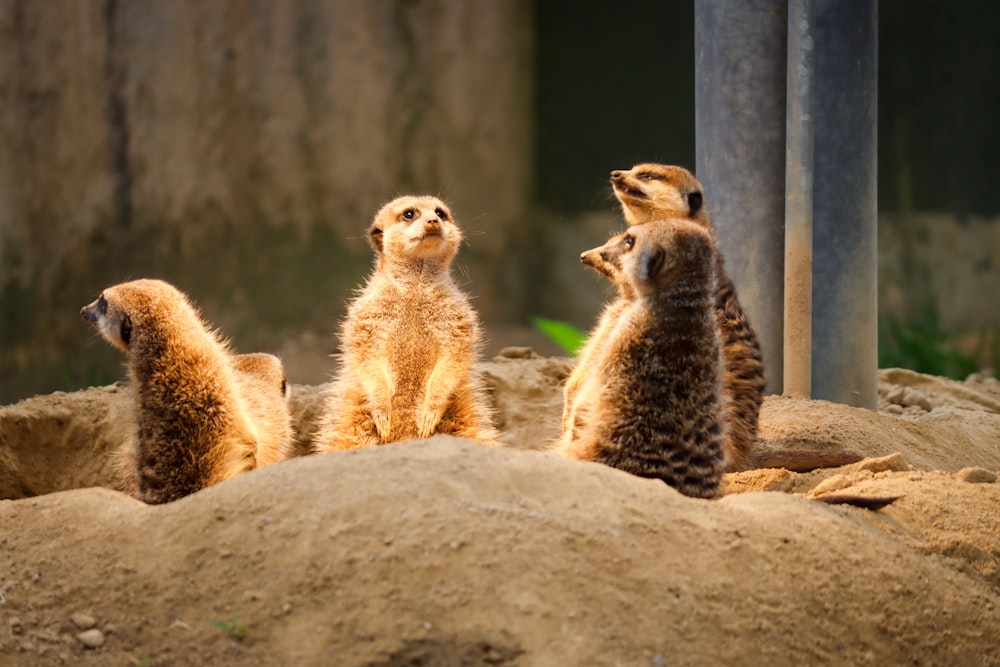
{"x":447,"y":552}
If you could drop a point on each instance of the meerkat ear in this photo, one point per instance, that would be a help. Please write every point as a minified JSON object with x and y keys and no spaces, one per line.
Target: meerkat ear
{"x":694,"y":202}
{"x":375,"y":238}
{"x":651,"y":262}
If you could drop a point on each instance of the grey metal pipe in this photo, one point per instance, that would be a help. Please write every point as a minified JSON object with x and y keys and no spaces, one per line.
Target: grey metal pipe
{"x":845,"y":299}
{"x":799,"y":202}
{"x":740,"y":78}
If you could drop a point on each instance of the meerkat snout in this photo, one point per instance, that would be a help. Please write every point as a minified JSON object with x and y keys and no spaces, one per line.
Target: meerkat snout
{"x":615,"y":175}
{"x":93,"y":311}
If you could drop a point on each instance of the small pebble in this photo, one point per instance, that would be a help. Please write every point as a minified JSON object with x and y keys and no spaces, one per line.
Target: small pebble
{"x":91,"y":638}
{"x":83,"y":621}
{"x":16,"y":627}
{"x":893,"y":409}
{"x":976,"y":476}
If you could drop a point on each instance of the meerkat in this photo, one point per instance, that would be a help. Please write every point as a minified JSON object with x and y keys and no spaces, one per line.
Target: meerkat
{"x":409,"y":340}
{"x":262,"y":383}
{"x":595,"y":341}
{"x":651,"y":401}
{"x":192,"y":427}
{"x":649,"y":192}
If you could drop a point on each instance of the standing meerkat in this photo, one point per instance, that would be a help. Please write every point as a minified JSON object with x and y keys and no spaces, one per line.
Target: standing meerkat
{"x":605,"y":323}
{"x":193,"y":427}
{"x":408,"y":341}
{"x":651,"y":403}
{"x":649,"y":192}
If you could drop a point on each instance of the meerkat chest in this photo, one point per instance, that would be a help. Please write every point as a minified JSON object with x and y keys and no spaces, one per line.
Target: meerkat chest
{"x":418,"y":322}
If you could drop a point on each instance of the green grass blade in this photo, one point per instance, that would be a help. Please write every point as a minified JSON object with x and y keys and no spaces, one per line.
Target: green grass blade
{"x":562,"y":334}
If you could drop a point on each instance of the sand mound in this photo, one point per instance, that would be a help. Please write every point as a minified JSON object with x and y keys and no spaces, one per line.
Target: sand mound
{"x":447,"y":552}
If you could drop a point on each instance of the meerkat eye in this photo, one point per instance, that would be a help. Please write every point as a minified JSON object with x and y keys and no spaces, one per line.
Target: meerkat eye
{"x":409,"y":214}
{"x":629,"y":241}
{"x":441,"y":214}
{"x":650,"y":176}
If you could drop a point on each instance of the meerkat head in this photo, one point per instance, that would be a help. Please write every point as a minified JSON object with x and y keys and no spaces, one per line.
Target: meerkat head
{"x":655,"y":191}
{"x":609,"y":268}
{"x":265,"y":367}
{"x":125,"y":311}
{"x":415,"y":228}
{"x":652,"y":255}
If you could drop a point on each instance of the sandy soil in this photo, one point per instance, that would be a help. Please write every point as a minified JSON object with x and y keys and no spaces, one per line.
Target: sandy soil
{"x":447,"y":552}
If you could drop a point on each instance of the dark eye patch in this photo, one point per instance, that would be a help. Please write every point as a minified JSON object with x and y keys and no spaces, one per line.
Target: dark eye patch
{"x":102,"y":305}
{"x":125,"y":330}
{"x":694,"y":202}
{"x":409,"y":214}
{"x":441,"y":214}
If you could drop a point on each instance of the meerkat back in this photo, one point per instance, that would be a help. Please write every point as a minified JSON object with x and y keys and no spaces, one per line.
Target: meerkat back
{"x":652,"y":403}
{"x":409,"y":340}
{"x":193,"y":429}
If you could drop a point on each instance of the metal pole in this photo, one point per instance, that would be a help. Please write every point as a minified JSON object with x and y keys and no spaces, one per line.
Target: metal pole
{"x":740,"y":79}
{"x":845,"y":299}
{"x":799,"y":202}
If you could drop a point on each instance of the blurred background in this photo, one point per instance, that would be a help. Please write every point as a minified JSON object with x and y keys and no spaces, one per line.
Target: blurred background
{"x":239,"y":148}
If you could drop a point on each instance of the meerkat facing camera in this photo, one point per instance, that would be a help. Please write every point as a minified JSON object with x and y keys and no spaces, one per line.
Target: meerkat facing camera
{"x":409,"y":340}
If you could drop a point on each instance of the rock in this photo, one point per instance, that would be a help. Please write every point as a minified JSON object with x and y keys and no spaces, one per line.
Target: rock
{"x":914,"y":397}
{"x":835,"y":483}
{"x":83,"y":621}
{"x":892,"y":462}
{"x":976,"y":476}
{"x":91,"y":638}
{"x":15,"y":625}
{"x":895,"y":395}
{"x":517,"y":353}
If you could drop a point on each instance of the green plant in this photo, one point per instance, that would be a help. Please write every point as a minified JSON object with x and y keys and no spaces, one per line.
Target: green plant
{"x":234,"y":629}
{"x":920,"y":344}
{"x":562,"y":334}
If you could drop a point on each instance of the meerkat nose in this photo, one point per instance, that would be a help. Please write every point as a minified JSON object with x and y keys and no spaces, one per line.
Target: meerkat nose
{"x":615,"y":175}
{"x":89,"y":314}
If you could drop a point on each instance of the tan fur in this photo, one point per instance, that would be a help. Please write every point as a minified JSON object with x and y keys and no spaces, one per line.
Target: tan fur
{"x":605,"y":324}
{"x":264,"y":387}
{"x":409,"y":340}
{"x":193,"y":426}
{"x":650,"y":192}
{"x":650,"y":403}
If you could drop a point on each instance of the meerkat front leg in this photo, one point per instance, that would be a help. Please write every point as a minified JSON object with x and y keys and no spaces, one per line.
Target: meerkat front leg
{"x":379,"y":387}
{"x":440,"y":388}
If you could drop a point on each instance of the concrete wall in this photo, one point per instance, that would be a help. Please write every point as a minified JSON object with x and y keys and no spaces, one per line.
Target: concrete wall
{"x":239,"y":148}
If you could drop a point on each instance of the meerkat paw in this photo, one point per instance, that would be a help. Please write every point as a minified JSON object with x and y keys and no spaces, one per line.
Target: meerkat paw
{"x":383,"y":424}
{"x":429,"y":420}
